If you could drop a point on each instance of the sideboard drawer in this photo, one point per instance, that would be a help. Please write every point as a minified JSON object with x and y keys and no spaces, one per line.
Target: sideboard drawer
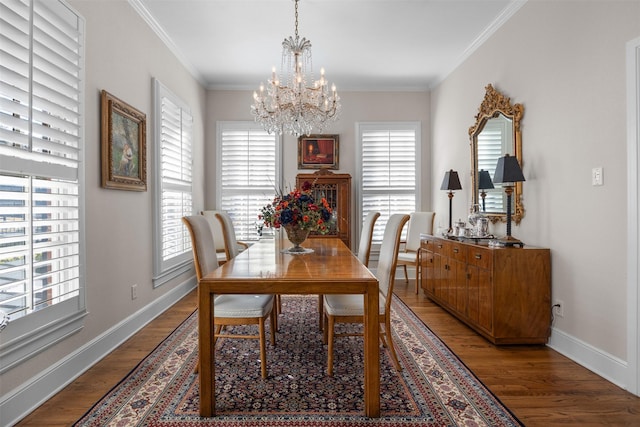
{"x":428,"y":244}
{"x":458,"y":251}
{"x":441,"y":247}
{"x":480,"y":257}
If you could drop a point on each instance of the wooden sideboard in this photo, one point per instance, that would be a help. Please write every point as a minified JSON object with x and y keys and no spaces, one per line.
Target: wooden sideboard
{"x":504,"y":294}
{"x":336,"y":188}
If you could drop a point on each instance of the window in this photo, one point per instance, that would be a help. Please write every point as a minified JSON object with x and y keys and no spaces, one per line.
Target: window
{"x":41,"y":137}
{"x":173,"y":133}
{"x":248,"y":173}
{"x":388,"y":165}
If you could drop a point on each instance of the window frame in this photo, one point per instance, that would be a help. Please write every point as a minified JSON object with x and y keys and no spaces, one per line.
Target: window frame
{"x":362,"y":127}
{"x":35,"y":332}
{"x":166,"y":270}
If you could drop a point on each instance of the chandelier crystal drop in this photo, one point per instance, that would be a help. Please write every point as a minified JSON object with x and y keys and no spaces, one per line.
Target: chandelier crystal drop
{"x":290,"y":104}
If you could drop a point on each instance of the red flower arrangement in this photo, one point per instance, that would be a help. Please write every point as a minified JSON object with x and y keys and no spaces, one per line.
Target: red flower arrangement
{"x":298,"y":209}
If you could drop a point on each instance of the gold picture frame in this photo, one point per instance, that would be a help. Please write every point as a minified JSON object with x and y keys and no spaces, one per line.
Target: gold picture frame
{"x":318,"y":151}
{"x":123,"y":144}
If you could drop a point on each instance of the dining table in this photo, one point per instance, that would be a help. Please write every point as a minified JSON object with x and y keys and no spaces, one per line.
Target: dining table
{"x":329,"y":267}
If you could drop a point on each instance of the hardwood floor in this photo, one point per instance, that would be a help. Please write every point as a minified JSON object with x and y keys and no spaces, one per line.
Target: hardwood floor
{"x":540,"y":386}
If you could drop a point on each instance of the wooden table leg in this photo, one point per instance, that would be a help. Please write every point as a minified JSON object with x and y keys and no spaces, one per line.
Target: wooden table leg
{"x":206,"y":354}
{"x":371,"y":353}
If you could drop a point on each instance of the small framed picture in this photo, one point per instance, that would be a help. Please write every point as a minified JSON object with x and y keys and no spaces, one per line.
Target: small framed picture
{"x":123,"y":143}
{"x":318,"y":152}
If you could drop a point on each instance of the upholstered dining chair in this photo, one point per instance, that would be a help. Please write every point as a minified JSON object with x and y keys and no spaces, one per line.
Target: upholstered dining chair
{"x":350,"y":308}
{"x":364,"y":251}
{"x":218,"y":238}
{"x":419,"y":222}
{"x":230,"y":309}
{"x":233,"y":247}
{"x":223,"y":233}
{"x":364,"y":248}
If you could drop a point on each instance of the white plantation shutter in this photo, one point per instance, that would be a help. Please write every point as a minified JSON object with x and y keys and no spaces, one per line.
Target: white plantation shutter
{"x":174,"y":133}
{"x":248,"y":171}
{"x":388,"y":170}
{"x":491,"y":145}
{"x":176,"y":178}
{"x":41,"y":195}
{"x":40,"y":133}
{"x":39,"y":243}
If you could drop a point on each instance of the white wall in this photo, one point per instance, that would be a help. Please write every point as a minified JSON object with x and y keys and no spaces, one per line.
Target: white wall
{"x":356,"y":107}
{"x":565,"y":62}
{"x":122,"y":56}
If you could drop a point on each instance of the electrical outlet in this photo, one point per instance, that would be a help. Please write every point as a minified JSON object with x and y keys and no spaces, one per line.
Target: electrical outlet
{"x":134,"y":291}
{"x":596,"y":176}
{"x":558,"y":308}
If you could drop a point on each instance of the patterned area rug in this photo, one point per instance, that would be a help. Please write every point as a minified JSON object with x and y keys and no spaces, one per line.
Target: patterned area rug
{"x":433,"y":389}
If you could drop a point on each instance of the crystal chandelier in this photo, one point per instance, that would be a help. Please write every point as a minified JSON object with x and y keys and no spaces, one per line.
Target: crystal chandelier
{"x":291,"y":105}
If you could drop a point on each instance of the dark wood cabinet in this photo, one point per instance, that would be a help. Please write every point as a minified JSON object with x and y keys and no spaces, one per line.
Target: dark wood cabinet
{"x":504,"y":294}
{"x":336,"y":188}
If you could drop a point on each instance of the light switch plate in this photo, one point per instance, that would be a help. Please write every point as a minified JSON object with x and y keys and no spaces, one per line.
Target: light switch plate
{"x":596,"y":176}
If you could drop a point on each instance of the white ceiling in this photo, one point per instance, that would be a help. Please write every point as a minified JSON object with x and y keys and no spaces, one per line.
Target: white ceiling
{"x":362,"y":44}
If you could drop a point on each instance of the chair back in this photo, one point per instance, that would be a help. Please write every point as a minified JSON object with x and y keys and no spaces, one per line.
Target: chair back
{"x":364,"y":247}
{"x":228,"y":234}
{"x":216,"y":228}
{"x":203,"y":244}
{"x":388,"y":259}
{"x":419,"y":222}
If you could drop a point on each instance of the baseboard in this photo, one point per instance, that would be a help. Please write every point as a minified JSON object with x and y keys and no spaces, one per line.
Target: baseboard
{"x":19,"y":402}
{"x":603,"y":364}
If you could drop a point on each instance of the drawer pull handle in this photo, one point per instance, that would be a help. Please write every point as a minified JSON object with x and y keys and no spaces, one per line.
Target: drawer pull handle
{"x":455,"y":250}
{"x":478,"y":256}
{"x":439,"y":246}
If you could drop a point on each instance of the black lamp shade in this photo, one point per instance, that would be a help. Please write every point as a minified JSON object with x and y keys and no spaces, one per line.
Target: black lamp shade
{"x":451,"y":181}
{"x":484,"y":180}
{"x":508,"y":170}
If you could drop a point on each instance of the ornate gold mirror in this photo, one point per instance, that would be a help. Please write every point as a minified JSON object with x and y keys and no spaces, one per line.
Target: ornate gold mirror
{"x":495,"y":133}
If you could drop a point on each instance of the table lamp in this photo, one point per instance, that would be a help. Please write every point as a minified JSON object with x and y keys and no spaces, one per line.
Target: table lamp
{"x":508,"y":172}
{"x":451,"y":182}
{"x":484,"y":183}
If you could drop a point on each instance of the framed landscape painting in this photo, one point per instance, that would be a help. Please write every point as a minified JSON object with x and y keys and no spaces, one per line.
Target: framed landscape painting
{"x":318,"y":152}
{"x":123,"y":144}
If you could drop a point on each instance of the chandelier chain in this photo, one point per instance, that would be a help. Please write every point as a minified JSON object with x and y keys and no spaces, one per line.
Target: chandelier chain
{"x":296,"y":6}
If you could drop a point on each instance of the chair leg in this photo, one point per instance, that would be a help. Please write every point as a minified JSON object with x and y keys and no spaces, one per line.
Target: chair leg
{"x":329,"y":326}
{"x":263,"y":350}
{"x":417,"y":278}
{"x":218,"y":330}
{"x":275,"y":313}
{"x":387,"y":333}
{"x":320,"y":311}
{"x":324,"y":329}
{"x":273,"y":318}
{"x":277,"y":309}
{"x":406,"y":276}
